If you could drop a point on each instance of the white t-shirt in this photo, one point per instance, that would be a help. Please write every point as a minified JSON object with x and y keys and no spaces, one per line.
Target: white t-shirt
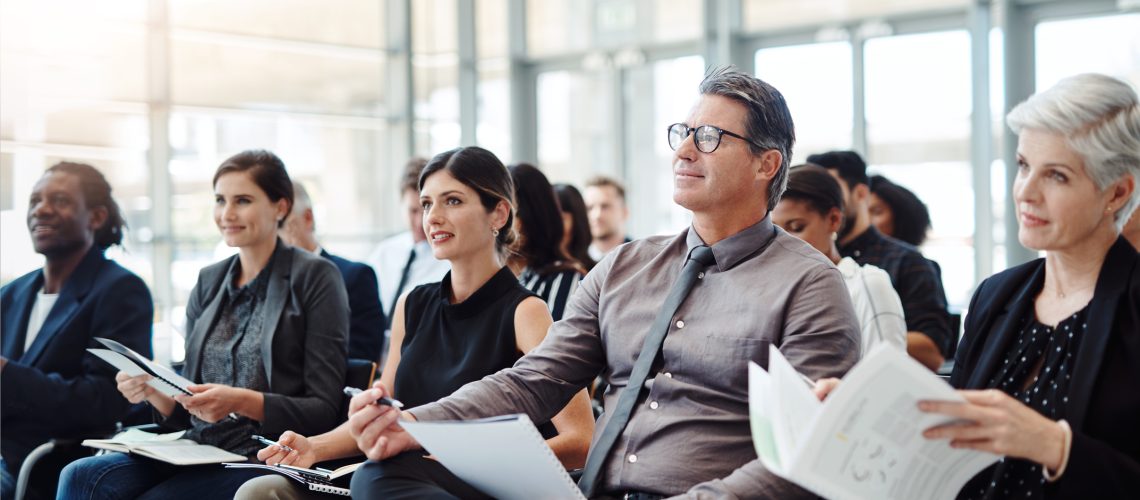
{"x":40,"y":310}
{"x":388,"y":261}
{"x":877,"y":305}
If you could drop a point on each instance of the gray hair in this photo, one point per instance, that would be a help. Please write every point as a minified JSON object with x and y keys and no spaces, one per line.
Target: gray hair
{"x":769,"y":122}
{"x":1100,"y":117}
{"x":301,"y":200}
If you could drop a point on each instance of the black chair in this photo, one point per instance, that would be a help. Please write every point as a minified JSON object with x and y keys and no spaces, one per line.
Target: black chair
{"x":360,"y":374}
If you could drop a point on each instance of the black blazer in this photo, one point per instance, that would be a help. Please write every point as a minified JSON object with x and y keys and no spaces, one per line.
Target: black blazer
{"x":57,"y":389}
{"x":304,"y":340}
{"x":1104,"y":402}
{"x":366,"y":323}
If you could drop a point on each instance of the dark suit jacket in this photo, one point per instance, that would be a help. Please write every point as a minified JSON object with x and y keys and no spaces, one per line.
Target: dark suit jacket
{"x":1104,"y":402}
{"x":303,"y":346}
{"x":366,"y":325}
{"x":57,"y":389}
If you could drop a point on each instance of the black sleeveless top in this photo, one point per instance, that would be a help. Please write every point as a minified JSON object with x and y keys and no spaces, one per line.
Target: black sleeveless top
{"x":448,"y":345}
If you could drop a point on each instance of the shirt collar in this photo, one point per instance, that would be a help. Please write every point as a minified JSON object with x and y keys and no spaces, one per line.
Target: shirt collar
{"x":869,"y":238}
{"x":739,"y":247}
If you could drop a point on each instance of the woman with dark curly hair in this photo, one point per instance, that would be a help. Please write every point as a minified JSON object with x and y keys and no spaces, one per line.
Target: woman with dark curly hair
{"x":897,"y":212}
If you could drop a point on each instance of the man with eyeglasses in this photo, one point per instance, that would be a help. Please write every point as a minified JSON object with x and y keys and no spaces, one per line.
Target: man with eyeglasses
{"x":670,"y":322}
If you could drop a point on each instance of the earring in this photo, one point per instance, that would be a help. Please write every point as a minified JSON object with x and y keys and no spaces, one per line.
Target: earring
{"x":495,"y":233}
{"x":1108,"y":209}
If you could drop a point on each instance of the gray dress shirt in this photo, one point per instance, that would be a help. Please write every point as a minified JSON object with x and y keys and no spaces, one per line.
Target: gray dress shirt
{"x":690,"y":432}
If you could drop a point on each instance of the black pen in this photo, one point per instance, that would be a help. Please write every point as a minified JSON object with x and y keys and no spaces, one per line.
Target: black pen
{"x":384,"y":400}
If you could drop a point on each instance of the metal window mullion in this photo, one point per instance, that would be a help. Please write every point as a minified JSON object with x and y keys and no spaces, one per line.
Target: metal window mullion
{"x":468,"y":73}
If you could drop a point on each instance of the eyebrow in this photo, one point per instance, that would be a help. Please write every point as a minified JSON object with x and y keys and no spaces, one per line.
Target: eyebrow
{"x":1066,"y":166}
{"x":445,"y":193}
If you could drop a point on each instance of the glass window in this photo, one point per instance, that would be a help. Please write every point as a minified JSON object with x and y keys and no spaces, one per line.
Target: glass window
{"x":558,"y":27}
{"x":1108,"y":44}
{"x":575,"y":134}
{"x":816,"y":81}
{"x":677,"y":20}
{"x":355,"y":23}
{"x":918,"y":105}
{"x":435,"y":72}
{"x":762,"y":15}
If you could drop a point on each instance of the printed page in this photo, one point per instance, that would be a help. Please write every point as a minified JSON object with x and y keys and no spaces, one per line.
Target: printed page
{"x":760,"y":411}
{"x":505,"y":457}
{"x":794,"y":409}
{"x":867,"y":442}
{"x":185,"y":453}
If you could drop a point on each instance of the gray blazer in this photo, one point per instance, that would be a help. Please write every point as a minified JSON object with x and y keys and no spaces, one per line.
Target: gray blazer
{"x":304,"y":341}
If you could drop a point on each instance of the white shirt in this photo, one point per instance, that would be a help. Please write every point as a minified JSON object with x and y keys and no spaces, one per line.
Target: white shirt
{"x":877,"y":305}
{"x":389,"y":259}
{"x":40,"y":311}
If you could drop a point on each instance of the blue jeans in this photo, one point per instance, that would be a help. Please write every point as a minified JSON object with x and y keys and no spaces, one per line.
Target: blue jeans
{"x":122,"y":476}
{"x":7,"y":482}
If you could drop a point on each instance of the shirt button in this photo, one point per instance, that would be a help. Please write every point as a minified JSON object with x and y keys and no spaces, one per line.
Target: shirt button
{"x":680,"y":323}
{"x":632,"y":458}
{"x":668,"y":375}
{"x":701,"y":275}
{"x":653,"y":405}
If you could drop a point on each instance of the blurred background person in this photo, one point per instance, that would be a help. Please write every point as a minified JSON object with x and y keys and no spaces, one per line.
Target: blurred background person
{"x":52,"y":387}
{"x":919,"y":286}
{"x":366,"y":318}
{"x":575,"y":225}
{"x":897,"y":212}
{"x":811,"y":209}
{"x":267,"y":332}
{"x":538,"y":257}
{"x":608,"y":214}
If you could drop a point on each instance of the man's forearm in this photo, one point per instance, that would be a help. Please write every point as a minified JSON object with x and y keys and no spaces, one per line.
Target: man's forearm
{"x":923,"y":349}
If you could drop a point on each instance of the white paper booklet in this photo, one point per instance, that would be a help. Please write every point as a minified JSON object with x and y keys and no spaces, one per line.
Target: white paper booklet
{"x":504,"y":457}
{"x":163,"y":379}
{"x":865,"y":441}
{"x":169,"y":448}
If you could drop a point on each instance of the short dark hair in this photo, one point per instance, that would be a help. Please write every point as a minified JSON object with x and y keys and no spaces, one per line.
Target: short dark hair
{"x":850,"y":166}
{"x":571,"y":202}
{"x":482,"y":171}
{"x":266,"y":170}
{"x":910,"y":215}
{"x":412,"y":170}
{"x":768,"y":124}
{"x":541,"y":219}
{"x":96,"y":193}
{"x":603,"y":181}
{"x":812,"y":184}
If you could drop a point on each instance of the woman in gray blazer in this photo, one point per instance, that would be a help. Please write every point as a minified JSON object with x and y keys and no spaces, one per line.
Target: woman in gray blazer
{"x":267,"y":334}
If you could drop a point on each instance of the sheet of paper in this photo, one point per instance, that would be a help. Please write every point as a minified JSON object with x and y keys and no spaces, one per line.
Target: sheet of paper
{"x":867,"y":442}
{"x":505,"y":457}
{"x":759,"y":396}
{"x":123,"y":363}
{"x":794,"y":406}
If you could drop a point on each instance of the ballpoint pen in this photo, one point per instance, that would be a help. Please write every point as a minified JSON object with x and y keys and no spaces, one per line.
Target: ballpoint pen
{"x":268,"y":442}
{"x":384,"y":400}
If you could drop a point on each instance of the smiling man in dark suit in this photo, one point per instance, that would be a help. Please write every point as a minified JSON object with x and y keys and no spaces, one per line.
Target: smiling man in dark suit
{"x":52,"y":387}
{"x":366,"y":332}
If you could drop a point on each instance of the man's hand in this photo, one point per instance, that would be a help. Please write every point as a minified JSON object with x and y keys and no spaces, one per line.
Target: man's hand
{"x":375,"y":427}
{"x":302,"y":454}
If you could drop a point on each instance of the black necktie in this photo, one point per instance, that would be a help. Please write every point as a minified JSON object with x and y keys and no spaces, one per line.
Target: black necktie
{"x":403,"y":283}
{"x":699,"y":258}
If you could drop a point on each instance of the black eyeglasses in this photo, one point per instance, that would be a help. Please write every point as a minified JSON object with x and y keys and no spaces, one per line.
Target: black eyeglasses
{"x":705,"y":137}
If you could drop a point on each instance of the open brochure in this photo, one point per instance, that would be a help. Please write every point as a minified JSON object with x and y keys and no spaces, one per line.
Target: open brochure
{"x":865,"y":441}
{"x":169,"y":448}
{"x":316,"y":480}
{"x":504,"y":457}
{"x":163,"y":379}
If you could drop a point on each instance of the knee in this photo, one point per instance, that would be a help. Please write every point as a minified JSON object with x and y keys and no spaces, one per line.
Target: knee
{"x":267,"y":487}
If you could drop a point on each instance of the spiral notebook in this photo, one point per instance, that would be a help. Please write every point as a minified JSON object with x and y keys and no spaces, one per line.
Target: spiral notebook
{"x":504,"y":457}
{"x":163,"y":379}
{"x":314,"y":481}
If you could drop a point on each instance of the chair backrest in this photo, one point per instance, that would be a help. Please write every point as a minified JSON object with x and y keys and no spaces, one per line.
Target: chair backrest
{"x":360,"y":374}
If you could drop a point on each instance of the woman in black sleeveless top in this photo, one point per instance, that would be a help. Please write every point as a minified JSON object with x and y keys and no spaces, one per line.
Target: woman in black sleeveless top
{"x":475,"y":322}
